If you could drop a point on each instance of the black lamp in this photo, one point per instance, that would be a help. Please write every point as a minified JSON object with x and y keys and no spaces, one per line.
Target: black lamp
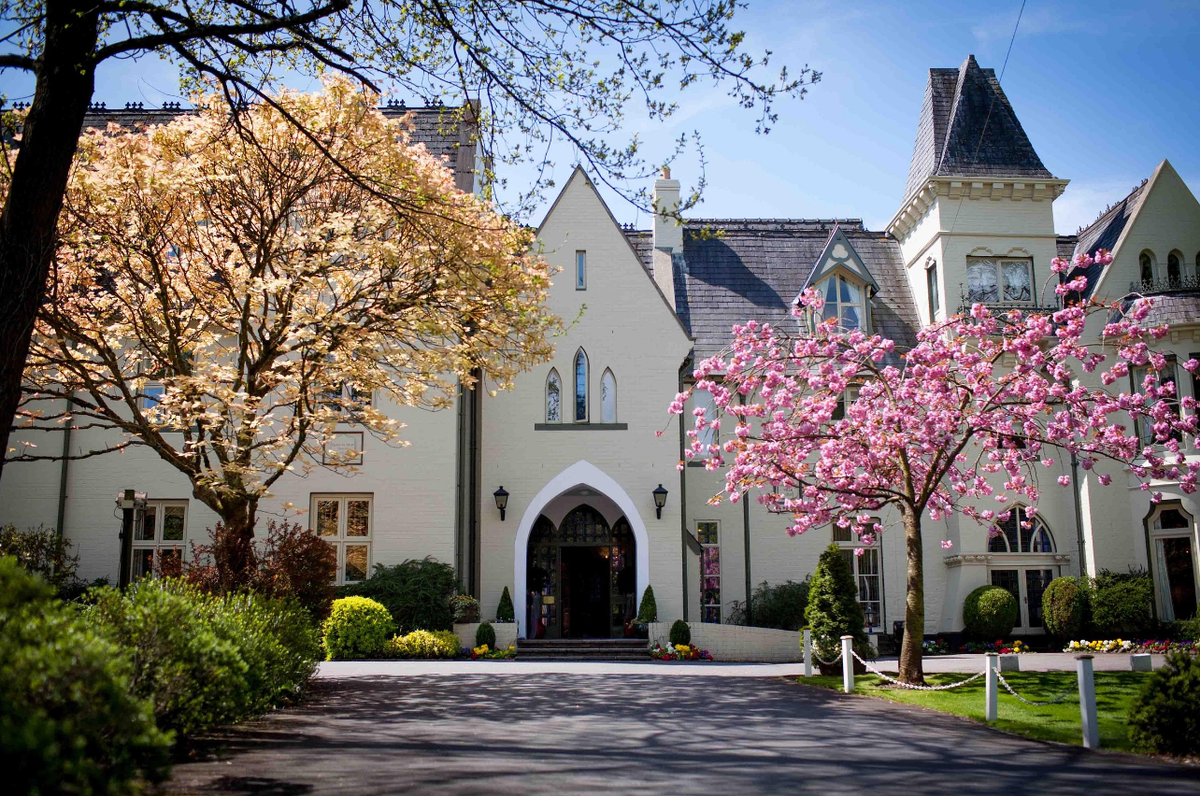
{"x":501,"y":496}
{"x":660,"y":500}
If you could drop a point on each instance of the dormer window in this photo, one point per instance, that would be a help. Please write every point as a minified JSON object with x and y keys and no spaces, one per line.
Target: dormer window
{"x":992,"y":280}
{"x":844,"y":300}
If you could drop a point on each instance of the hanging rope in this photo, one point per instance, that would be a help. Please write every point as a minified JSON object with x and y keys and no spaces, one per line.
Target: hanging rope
{"x":903,"y":684}
{"x":1010,"y":690}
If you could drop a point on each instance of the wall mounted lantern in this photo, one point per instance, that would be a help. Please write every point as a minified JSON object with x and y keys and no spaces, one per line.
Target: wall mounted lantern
{"x":501,"y":496}
{"x":660,"y":500}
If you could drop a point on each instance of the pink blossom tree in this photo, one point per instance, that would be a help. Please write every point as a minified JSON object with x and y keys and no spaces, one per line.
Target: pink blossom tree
{"x":963,"y":422}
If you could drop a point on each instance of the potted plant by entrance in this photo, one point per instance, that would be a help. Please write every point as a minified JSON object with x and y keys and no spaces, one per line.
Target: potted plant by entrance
{"x":647,"y":613}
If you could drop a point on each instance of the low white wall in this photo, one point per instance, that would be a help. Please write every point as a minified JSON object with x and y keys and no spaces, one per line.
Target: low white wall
{"x":735,"y":643}
{"x":506,"y":633}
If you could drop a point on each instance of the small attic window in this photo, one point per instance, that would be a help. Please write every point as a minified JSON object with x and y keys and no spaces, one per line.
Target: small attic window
{"x":845,"y":299}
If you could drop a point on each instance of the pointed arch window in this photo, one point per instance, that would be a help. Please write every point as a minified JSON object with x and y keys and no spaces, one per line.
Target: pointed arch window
{"x":553,"y":397}
{"x":1174,"y":269}
{"x":581,"y":379}
{"x":608,"y":397}
{"x":1021,"y":533}
{"x":1146,"y":266}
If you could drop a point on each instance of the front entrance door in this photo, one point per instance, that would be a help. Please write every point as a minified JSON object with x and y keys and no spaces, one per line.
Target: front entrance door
{"x":585,"y":592}
{"x":1027,"y":586}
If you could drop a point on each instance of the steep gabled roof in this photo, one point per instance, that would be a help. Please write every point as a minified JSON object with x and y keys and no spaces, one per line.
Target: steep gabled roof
{"x":839,"y":252}
{"x":968,"y":129}
{"x":1105,"y":231}
{"x":736,"y":270}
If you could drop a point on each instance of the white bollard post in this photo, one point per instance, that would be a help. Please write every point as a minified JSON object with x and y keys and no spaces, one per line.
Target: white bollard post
{"x":989,"y":689}
{"x":807,"y":652}
{"x":847,"y":664}
{"x":1087,"y":702}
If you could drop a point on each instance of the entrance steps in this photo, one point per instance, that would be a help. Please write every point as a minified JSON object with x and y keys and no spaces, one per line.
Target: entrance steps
{"x":582,"y":649}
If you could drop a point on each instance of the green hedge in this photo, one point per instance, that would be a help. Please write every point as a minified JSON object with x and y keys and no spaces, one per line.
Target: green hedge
{"x":416,"y":593}
{"x":422,"y":644}
{"x":485,"y":634}
{"x":1065,"y":607}
{"x":357,"y":627}
{"x":780,"y":606}
{"x":1122,"y":605}
{"x":1165,"y":716}
{"x":989,"y":613}
{"x":69,"y":720}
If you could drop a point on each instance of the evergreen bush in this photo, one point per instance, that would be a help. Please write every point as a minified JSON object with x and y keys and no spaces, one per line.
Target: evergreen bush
{"x":989,"y":613}
{"x":357,"y":627}
{"x":486,"y":635}
{"x":1189,"y":629}
{"x":1165,"y":716}
{"x":504,"y":611}
{"x":423,"y":644}
{"x":648,"y":610}
{"x":1122,"y":605}
{"x":780,"y":606}
{"x":833,"y":610}
{"x":69,"y":721}
{"x":417,"y":593}
{"x":41,"y":551}
{"x":1065,"y":607}
{"x":680,"y":633}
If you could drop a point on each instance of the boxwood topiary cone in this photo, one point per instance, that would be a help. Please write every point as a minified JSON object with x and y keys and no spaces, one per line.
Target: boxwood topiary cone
{"x":486,"y":634}
{"x":648,"y":611}
{"x":504,"y":611}
{"x":680,"y":633}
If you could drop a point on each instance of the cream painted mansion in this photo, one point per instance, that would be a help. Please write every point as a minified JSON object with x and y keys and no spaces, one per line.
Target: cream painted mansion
{"x":560,"y":489}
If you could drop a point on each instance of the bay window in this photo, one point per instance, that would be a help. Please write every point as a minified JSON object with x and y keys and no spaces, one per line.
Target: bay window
{"x":999,"y":280}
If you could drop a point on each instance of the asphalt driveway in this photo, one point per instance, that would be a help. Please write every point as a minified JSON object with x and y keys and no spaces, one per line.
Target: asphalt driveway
{"x":534,"y":732}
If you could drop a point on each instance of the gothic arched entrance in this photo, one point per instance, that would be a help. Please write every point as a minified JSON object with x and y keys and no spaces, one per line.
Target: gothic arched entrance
{"x":581,"y":576}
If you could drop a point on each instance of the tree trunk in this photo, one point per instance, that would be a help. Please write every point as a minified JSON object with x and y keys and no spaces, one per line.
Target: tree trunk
{"x":29,"y":222}
{"x":911,"y":668}
{"x":233,"y":544}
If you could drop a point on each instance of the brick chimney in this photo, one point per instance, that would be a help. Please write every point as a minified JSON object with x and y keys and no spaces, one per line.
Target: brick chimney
{"x":668,"y":233}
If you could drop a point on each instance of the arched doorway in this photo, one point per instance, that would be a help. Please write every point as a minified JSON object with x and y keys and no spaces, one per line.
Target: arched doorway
{"x":581,"y":576}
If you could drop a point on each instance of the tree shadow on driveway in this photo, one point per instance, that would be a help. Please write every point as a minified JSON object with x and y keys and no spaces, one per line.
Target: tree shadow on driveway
{"x":565,"y":733}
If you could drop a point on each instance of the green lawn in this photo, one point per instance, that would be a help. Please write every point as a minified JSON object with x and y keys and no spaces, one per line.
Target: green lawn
{"x":1114,"y":692}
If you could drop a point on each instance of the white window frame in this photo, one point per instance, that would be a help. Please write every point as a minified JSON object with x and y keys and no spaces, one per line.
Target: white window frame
{"x":581,"y":270}
{"x":716,"y":606}
{"x":848,"y":541}
{"x":157,"y":546}
{"x":1162,"y":597}
{"x":998,"y":264}
{"x":575,"y":387}
{"x":552,"y":378}
{"x":1020,"y":515}
{"x":608,"y":397}
{"x":862,"y":303}
{"x":707,"y":435}
{"x":340,"y":540}
{"x":1170,"y":373}
{"x":933,"y":288}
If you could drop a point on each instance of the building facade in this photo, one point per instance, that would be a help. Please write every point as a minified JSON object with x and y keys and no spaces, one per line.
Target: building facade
{"x":574,"y":451}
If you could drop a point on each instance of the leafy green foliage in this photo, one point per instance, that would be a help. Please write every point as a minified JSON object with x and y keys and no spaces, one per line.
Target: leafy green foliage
{"x":833,"y":610}
{"x":1165,"y":716}
{"x":357,"y":627}
{"x":422,"y":644}
{"x":989,"y":612}
{"x":1122,"y":604}
{"x":648,"y":610}
{"x":464,"y":608}
{"x":417,"y":593}
{"x":1189,"y":629}
{"x":680,"y":633}
{"x":43,"y":552}
{"x":504,"y":611}
{"x":69,"y":722}
{"x":1065,"y":607}
{"x":780,"y":606}
{"x":204,"y":660}
{"x":486,"y":634}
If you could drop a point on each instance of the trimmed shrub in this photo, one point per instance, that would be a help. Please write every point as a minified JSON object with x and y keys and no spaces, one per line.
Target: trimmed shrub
{"x":424,"y":644}
{"x":1122,"y":605}
{"x":1189,"y":629}
{"x":69,"y":722}
{"x":417,"y":593}
{"x":504,"y":611}
{"x":486,"y":634}
{"x":989,"y":613}
{"x":357,"y":627}
{"x":41,"y":551}
{"x":1065,"y":607}
{"x":780,"y":606}
{"x":648,"y":610}
{"x":464,"y":608}
{"x":680,"y":633}
{"x":833,"y":610}
{"x":1165,"y":716}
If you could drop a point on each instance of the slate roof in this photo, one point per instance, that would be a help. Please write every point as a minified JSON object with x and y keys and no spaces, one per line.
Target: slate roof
{"x":1174,"y":310}
{"x":1105,"y":231}
{"x":435,"y":127}
{"x":968,"y":129}
{"x":753,"y":269}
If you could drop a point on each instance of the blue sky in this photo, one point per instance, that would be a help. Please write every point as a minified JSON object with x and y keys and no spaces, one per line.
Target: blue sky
{"x":1105,"y":91}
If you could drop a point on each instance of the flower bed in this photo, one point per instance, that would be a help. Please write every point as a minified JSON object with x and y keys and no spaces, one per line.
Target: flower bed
{"x":999,"y":645}
{"x":484,"y":652}
{"x":679,"y":652}
{"x":1160,"y":646}
{"x":931,"y":647}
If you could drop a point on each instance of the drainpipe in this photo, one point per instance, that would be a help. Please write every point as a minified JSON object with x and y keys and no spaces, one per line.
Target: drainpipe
{"x":746,"y":535}
{"x":460,"y":546}
{"x":683,"y":529}
{"x":1078,"y":516}
{"x":63,"y":471}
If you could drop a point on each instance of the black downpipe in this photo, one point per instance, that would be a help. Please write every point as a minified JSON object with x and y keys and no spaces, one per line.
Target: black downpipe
{"x":683,"y":528}
{"x":1078,"y":516}
{"x":62,"y":475}
{"x":746,"y":535}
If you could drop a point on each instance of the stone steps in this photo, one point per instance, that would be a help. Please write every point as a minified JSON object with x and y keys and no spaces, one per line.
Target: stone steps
{"x":589,"y":649}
